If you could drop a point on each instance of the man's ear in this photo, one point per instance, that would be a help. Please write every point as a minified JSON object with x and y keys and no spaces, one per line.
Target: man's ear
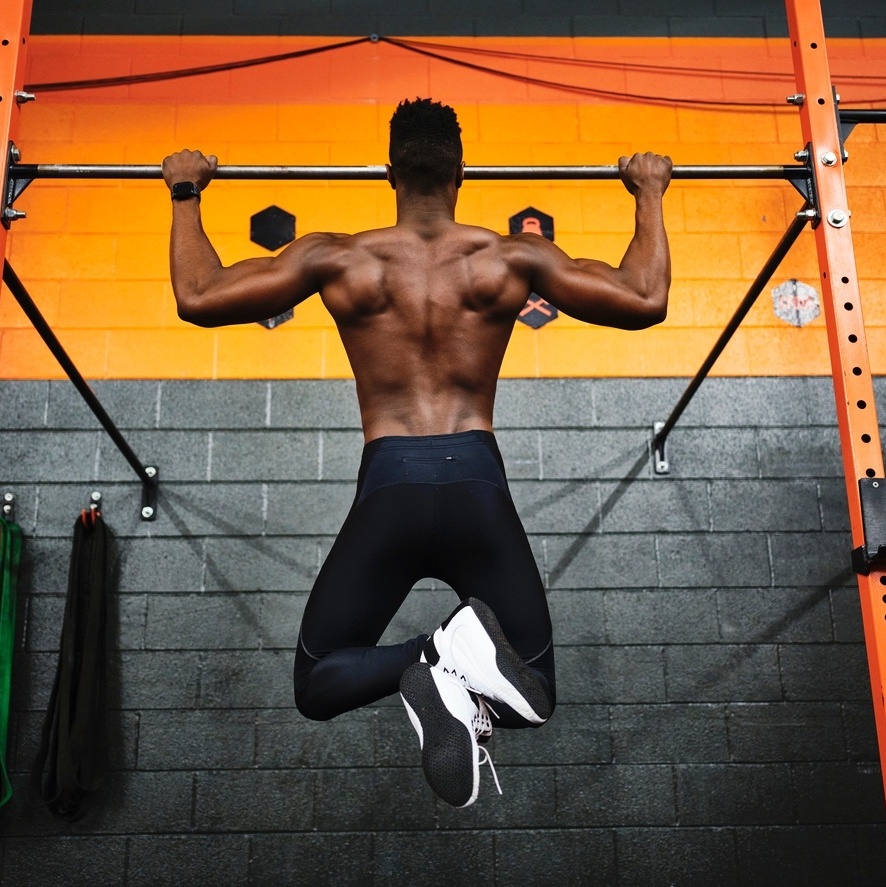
{"x":460,"y":175}
{"x":389,"y":173}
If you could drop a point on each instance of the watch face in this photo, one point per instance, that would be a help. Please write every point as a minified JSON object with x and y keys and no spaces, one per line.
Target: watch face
{"x":184,"y":191}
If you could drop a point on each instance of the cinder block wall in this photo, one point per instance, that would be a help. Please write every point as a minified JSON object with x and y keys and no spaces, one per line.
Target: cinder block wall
{"x":715,"y":721}
{"x":556,"y":18}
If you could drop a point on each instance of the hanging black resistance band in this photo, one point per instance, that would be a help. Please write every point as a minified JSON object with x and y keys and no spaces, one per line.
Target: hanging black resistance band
{"x":74,"y":745}
{"x":10,"y":558}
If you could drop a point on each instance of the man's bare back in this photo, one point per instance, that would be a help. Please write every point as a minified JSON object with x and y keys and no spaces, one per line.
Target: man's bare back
{"x":425,"y":308}
{"x":425,"y":317}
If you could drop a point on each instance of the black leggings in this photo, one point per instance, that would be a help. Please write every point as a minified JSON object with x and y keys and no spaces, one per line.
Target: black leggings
{"x":426,"y":507}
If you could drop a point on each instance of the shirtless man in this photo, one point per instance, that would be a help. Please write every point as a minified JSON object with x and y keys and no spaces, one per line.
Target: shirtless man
{"x":425,"y":310}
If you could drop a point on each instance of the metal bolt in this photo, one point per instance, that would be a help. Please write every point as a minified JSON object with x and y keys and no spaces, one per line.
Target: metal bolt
{"x":150,"y":471}
{"x":12,"y":215}
{"x":9,"y":497}
{"x":14,"y":153}
{"x":147,"y":512}
{"x":796,"y":99}
{"x":96,"y":496}
{"x":23,"y":97}
{"x":838,"y":217}
{"x":875,"y":484}
{"x":801,"y":156}
{"x":809,"y":213}
{"x":829,"y":158}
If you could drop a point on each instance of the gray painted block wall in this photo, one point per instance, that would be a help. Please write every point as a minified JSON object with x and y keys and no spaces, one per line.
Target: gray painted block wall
{"x":714,"y":723}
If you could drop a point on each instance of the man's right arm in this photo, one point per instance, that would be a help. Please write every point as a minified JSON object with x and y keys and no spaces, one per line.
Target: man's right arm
{"x":633,"y":295}
{"x":210,"y":294}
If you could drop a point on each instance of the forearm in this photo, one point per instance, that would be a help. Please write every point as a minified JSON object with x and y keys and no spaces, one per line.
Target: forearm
{"x":646,"y":265}
{"x":193,"y":261}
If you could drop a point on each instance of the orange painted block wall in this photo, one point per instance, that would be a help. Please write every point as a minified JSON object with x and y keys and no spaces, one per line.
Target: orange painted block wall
{"x":94,"y":253}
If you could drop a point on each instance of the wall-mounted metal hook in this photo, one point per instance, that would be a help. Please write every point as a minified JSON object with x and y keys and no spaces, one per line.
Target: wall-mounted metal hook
{"x":90,"y":515}
{"x":9,"y":506}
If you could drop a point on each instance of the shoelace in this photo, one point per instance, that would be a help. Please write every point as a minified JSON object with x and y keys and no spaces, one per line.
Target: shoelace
{"x":482,"y":724}
{"x":486,"y":759}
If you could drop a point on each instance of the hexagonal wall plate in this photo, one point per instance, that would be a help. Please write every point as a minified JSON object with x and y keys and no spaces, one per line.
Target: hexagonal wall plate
{"x":534,"y":220}
{"x":537,"y":311}
{"x":272,"y":322}
{"x":272,"y":228}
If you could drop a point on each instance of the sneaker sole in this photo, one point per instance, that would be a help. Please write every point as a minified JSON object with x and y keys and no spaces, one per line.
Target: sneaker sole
{"x":496,"y":671}
{"x":449,"y":754}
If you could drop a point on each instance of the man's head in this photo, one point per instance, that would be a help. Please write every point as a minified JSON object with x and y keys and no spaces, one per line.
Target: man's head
{"x":425,"y":149}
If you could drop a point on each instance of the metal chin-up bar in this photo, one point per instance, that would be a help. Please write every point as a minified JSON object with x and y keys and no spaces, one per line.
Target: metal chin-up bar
{"x":26,"y":173}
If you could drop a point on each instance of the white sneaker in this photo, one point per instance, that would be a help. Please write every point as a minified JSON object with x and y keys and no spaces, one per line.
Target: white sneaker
{"x":471,"y":646}
{"x":450,"y":722}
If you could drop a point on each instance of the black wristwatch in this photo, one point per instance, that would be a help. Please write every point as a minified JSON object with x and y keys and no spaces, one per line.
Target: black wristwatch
{"x":185,"y":191}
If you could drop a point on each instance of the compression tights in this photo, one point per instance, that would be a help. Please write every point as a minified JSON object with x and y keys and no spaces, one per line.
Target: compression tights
{"x":435,"y":507}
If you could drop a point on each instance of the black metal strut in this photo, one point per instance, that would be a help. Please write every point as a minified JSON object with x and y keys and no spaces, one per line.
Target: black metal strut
{"x":147,"y":474}
{"x":661,"y":430}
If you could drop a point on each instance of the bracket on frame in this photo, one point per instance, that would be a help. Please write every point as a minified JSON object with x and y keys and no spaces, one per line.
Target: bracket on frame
{"x":12,"y":188}
{"x":872,"y":554}
{"x":808,"y":187}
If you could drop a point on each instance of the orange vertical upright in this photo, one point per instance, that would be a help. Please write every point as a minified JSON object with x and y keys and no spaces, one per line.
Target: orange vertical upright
{"x":853,"y":385}
{"x":15,"y":20}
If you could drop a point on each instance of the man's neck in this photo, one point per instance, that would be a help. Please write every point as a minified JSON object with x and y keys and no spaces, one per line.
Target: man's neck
{"x":426,"y":211}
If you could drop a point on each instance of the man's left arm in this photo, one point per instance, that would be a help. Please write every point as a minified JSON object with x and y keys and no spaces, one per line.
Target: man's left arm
{"x":632,"y":295}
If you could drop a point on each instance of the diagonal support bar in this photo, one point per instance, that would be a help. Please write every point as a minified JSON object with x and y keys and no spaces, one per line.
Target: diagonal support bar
{"x":147,"y":474}
{"x":663,"y":429}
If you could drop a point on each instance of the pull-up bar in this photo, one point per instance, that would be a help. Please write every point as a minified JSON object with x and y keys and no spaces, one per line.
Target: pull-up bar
{"x":27,"y":172}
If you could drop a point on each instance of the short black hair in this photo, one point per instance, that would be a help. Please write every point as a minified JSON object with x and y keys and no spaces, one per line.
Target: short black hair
{"x":425,"y":148}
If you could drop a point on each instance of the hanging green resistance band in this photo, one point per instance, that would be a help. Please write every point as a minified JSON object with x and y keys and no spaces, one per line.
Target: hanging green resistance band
{"x":10,"y":558}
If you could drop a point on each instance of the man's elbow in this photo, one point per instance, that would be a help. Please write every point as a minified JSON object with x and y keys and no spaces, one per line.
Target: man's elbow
{"x":200,"y":318}
{"x":193,"y":310}
{"x":652,"y":313}
{"x":657,"y":315}
{"x":195,"y":318}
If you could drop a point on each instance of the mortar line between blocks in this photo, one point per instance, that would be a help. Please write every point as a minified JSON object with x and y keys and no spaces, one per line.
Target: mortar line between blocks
{"x":203,"y":565}
{"x":541,"y":456}
{"x":96,"y":462}
{"x":157,"y":401}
